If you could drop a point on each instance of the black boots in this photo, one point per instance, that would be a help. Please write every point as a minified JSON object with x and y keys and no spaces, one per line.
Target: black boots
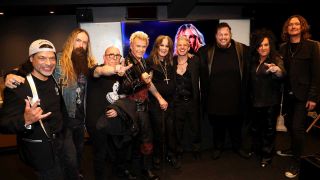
{"x":147,"y":174}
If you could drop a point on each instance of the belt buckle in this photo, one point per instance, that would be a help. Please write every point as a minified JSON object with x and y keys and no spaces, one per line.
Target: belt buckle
{"x":54,"y":136}
{"x":140,"y":107}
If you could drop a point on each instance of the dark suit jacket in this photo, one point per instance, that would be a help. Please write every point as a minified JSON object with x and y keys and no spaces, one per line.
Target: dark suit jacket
{"x":303,"y":70}
{"x":35,"y":149}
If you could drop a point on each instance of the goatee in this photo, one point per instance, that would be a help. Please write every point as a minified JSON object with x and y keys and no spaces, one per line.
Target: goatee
{"x":80,"y":61}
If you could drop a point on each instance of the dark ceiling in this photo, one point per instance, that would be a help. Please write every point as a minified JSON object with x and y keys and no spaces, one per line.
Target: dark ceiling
{"x":176,"y":8}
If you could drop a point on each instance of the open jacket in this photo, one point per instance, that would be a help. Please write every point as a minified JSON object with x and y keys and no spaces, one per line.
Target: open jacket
{"x":303,"y":70}
{"x":206,"y":54}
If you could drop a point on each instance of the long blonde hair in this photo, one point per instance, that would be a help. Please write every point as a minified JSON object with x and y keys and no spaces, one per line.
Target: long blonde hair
{"x":66,"y":62}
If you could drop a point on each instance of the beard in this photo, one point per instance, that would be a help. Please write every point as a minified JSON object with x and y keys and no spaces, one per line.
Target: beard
{"x":80,"y":61}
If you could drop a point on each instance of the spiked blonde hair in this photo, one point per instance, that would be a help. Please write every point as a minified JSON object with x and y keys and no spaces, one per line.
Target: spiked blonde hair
{"x":140,"y":35}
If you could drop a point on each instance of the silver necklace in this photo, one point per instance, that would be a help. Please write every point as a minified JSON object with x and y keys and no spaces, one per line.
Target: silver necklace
{"x":165,"y":72}
{"x":292,"y":53}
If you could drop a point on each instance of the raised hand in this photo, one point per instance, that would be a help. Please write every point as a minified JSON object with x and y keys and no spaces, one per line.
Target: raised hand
{"x":121,"y":69}
{"x":146,"y":78}
{"x":33,"y":113}
{"x":273,"y":69}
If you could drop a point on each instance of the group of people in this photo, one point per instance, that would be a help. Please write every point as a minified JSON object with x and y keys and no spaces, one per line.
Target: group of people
{"x":136,"y":110}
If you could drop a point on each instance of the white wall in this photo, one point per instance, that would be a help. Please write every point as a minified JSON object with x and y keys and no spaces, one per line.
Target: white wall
{"x":103,"y":35}
{"x":240,"y":29}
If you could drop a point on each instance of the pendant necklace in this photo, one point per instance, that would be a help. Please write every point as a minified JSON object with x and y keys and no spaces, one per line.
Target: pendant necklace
{"x":165,"y":72}
{"x":293,"y":50}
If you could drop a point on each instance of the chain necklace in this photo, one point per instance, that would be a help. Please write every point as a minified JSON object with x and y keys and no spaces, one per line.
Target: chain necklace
{"x":165,"y":72}
{"x":293,"y":49}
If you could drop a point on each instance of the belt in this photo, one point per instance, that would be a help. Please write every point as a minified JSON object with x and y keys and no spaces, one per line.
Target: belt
{"x":184,"y":98}
{"x":141,"y":106}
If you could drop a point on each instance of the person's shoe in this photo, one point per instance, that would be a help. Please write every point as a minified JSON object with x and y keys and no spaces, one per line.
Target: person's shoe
{"x":156,"y":163}
{"x":174,"y":162}
{"x":285,"y":153}
{"x":129,"y":175}
{"x":196,"y":155}
{"x":292,"y":172}
{"x":216,"y":154}
{"x":243,"y":154}
{"x":149,"y":175}
{"x":81,"y":177}
{"x":265,"y":162}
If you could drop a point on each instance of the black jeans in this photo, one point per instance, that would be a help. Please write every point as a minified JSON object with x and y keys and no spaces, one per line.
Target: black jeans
{"x":186,"y":112}
{"x":164,"y":131}
{"x":73,"y":151}
{"x":104,"y":148}
{"x":140,"y":159}
{"x":56,"y":172}
{"x":296,"y":121}
{"x":263,"y":130}
{"x":221,"y":124}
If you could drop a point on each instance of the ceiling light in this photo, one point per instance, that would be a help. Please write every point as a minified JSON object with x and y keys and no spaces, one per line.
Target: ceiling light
{"x":51,"y":12}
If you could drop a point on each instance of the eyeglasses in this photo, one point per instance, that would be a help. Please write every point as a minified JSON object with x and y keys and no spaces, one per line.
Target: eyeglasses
{"x":114,"y":56}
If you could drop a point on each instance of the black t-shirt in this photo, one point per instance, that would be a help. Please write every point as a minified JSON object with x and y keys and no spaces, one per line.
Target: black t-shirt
{"x":50,"y":101}
{"x":101,"y":92}
{"x":80,"y":95}
{"x":225,"y":82}
{"x":163,"y":78}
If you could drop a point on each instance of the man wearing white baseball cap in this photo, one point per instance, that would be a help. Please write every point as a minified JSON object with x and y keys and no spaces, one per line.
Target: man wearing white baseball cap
{"x":35,"y":112}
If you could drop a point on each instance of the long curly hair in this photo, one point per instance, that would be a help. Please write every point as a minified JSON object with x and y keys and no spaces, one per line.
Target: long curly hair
{"x":154,"y":52}
{"x":305,"y":34}
{"x":66,"y":62}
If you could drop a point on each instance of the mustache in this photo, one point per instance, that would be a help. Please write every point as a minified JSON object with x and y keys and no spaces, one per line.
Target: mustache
{"x":80,"y":61}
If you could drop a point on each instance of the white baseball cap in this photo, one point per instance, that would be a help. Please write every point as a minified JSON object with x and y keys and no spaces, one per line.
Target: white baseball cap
{"x":35,"y":46}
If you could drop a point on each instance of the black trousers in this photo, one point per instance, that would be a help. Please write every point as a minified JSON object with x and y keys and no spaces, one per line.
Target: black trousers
{"x":73,"y":151}
{"x":263,"y":130}
{"x":221,"y":124}
{"x":164,"y":131}
{"x":103,"y":149}
{"x":56,"y":171}
{"x":296,"y":121}
{"x":187,"y":112}
{"x":140,"y":159}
